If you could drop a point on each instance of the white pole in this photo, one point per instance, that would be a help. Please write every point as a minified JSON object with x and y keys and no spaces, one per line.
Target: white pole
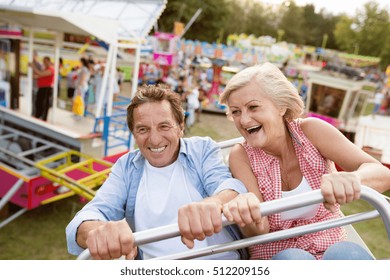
{"x":134,"y":83}
{"x":57,"y":45}
{"x":112,"y":80}
{"x":103,"y":87}
{"x":29,"y":88}
{"x":192,"y":20}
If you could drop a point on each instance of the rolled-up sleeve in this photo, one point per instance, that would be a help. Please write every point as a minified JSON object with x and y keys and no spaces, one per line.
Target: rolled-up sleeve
{"x":107,"y":205}
{"x":71,"y":230}
{"x":217,"y":176}
{"x":231,"y":184}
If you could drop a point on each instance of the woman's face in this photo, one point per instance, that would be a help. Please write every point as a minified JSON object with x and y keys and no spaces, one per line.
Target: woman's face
{"x":255,"y":116}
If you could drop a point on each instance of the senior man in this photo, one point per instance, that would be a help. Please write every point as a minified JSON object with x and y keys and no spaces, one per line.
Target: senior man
{"x":169,"y":179}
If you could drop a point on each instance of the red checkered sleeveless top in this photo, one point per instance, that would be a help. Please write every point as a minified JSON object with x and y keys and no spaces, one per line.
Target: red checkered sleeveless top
{"x":267,"y":171}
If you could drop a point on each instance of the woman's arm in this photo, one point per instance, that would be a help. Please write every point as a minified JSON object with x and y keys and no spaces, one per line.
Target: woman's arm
{"x":359,"y":168}
{"x":40,"y":73}
{"x":333,"y":145}
{"x":245,"y":208}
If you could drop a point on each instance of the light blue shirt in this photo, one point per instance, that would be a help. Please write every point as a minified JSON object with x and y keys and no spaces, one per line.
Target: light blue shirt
{"x":115,"y":200}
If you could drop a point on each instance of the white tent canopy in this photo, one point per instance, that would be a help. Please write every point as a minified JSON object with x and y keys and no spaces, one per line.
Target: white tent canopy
{"x":108,"y":20}
{"x":134,"y":18}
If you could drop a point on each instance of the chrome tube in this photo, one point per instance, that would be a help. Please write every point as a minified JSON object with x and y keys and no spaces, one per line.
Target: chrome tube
{"x":268,"y":208}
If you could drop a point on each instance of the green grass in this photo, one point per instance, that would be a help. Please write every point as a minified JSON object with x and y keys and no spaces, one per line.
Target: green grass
{"x":373,"y":231}
{"x":39,"y":234}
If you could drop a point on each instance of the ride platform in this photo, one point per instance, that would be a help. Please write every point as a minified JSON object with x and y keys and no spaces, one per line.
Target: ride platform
{"x":43,"y":162}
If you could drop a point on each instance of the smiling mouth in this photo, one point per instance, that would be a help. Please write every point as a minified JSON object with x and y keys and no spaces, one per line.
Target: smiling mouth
{"x":254,"y":129}
{"x":157,"y":150}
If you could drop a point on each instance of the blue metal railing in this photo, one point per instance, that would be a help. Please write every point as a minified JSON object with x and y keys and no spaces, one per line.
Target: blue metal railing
{"x":115,"y":132}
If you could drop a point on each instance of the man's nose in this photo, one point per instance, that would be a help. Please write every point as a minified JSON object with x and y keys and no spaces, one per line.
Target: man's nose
{"x":154,"y":136}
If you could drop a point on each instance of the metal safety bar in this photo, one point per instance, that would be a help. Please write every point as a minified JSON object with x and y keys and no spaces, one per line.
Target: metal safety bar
{"x":377,"y":200}
{"x":229,"y":143}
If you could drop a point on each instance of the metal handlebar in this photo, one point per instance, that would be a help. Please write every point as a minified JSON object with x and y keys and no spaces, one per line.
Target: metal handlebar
{"x":268,"y":208}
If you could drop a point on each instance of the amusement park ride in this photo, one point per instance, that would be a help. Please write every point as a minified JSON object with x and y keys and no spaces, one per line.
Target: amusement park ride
{"x":43,"y":162}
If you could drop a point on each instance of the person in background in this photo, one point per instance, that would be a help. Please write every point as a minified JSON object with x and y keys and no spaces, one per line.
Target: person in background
{"x":193,"y":104}
{"x":39,"y":66}
{"x":45,"y":83}
{"x":284,"y":155}
{"x":82,"y":82}
{"x":120,"y":76}
{"x":385,"y":105}
{"x":169,"y":179}
{"x":378,"y":99}
{"x":151,"y":76}
{"x":97,"y":87}
{"x":60,"y":67}
{"x":71,"y":79}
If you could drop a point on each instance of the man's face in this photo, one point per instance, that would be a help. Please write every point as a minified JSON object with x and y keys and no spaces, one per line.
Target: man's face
{"x":46,"y":62}
{"x":157,"y":133}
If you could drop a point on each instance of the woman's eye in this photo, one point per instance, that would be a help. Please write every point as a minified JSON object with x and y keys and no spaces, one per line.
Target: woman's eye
{"x":235,"y":112}
{"x":253,"y":107}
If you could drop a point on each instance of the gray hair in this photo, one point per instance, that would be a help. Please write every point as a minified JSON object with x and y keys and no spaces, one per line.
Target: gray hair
{"x":273,"y":83}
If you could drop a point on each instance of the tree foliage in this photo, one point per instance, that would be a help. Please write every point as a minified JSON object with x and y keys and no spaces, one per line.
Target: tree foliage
{"x":344,"y":34}
{"x":366,"y":33}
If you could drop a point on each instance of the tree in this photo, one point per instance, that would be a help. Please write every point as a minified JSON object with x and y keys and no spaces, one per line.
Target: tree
{"x":257,"y":20}
{"x":292,"y":23}
{"x":207,"y":26}
{"x":311,"y":25}
{"x":238,"y":13}
{"x":365,"y":34}
{"x":373,"y":29}
{"x":344,"y":34}
{"x":316,"y":25}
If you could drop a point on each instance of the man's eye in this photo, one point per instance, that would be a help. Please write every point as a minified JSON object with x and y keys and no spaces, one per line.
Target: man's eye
{"x":141,"y":130}
{"x":165,"y":127}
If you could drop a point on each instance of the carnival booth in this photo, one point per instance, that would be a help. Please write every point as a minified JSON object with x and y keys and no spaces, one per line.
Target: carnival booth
{"x":337,"y":100}
{"x":164,"y":51}
{"x":373,"y":136}
{"x":38,"y":158}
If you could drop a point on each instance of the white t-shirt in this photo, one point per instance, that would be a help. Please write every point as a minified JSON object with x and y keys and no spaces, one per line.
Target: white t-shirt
{"x":305,"y":212}
{"x":378,"y":97}
{"x":193,"y":99}
{"x":3,"y":69}
{"x":161,"y":193}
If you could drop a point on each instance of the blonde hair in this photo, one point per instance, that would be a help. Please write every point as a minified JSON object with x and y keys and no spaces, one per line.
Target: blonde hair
{"x":273,"y":83}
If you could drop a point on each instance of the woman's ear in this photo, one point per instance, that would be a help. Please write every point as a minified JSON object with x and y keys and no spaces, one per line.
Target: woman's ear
{"x":282,"y":111}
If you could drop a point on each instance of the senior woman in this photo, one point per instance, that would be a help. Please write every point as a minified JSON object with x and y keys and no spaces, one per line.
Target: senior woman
{"x":284,"y":154}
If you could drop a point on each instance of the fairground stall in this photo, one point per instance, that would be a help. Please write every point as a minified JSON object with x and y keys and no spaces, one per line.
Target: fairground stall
{"x":41,"y":162}
{"x":337,"y":100}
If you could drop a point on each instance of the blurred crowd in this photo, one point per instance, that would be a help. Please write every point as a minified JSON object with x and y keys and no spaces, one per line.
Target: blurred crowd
{"x":189,"y":81}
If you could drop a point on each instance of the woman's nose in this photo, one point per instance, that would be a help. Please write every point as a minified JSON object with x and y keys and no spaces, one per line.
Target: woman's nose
{"x":244,"y":118}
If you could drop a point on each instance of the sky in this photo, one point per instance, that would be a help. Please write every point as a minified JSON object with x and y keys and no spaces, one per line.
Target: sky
{"x":337,"y":6}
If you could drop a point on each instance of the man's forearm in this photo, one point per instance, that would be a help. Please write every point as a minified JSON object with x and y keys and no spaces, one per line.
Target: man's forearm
{"x":84,"y":229}
{"x":223,"y":196}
